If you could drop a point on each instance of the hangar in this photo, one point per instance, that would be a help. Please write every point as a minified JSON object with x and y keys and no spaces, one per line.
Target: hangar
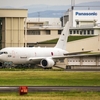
{"x":12,"y":22}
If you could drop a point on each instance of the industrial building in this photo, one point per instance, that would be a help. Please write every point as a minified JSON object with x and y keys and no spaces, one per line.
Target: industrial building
{"x":83,"y":22}
{"x":39,"y":30}
{"x":12,"y":27}
{"x":18,"y":30}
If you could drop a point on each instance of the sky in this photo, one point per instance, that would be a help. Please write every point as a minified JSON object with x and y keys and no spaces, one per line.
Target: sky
{"x":21,"y":3}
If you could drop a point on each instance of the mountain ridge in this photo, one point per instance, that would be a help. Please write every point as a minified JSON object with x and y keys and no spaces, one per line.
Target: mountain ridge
{"x":57,"y":10}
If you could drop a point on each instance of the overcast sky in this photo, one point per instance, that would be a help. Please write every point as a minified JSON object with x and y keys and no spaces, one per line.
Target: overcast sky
{"x":20,"y":3}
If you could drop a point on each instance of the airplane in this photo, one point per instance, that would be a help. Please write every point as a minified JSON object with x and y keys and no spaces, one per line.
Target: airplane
{"x":46,"y":57}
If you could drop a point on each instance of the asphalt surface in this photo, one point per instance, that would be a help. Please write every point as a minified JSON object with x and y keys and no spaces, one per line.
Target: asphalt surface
{"x":50,"y":88}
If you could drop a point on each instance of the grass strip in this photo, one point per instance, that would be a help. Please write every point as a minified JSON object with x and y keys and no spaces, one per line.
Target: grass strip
{"x":70,"y":38}
{"x":49,"y":78}
{"x":52,"y":96}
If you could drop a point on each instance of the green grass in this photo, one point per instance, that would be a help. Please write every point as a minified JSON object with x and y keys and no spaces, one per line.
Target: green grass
{"x":49,"y":78}
{"x":70,"y":38}
{"x":55,"y":78}
{"x":74,"y":38}
{"x":52,"y":96}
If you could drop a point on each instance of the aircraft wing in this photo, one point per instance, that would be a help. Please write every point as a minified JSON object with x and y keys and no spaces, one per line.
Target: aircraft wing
{"x":38,"y":59}
{"x":83,"y":55}
{"x":75,"y":53}
{"x":35,"y":60}
{"x":69,"y":55}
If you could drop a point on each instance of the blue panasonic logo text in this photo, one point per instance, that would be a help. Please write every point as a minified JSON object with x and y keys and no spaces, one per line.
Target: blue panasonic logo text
{"x":86,"y":14}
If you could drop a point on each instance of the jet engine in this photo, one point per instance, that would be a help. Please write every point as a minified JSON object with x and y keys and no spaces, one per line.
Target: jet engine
{"x":47,"y":63}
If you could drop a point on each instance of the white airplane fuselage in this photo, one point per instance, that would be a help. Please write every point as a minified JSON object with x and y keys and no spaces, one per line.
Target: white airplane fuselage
{"x":46,"y":57}
{"x":22,"y":55}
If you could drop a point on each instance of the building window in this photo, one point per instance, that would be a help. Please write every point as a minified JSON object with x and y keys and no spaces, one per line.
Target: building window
{"x":77,"y":23}
{"x":85,"y":32}
{"x":77,"y":32}
{"x":80,"y":32}
{"x":92,"y":31}
{"x":74,"y":32}
{"x":70,"y":31}
{"x":47,"y":32}
{"x":33,"y":32}
{"x":59,"y":32}
{"x":88,"y":31}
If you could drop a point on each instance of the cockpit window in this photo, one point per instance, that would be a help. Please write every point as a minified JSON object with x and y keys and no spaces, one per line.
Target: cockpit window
{"x":3,"y":53}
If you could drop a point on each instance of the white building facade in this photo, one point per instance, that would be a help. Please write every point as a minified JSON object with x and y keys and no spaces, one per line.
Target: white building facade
{"x":86,"y":15}
{"x":84,"y":22}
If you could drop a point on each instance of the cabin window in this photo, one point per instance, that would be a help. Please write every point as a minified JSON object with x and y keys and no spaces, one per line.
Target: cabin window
{"x":3,"y":53}
{"x":23,"y":57}
{"x":9,"y":55}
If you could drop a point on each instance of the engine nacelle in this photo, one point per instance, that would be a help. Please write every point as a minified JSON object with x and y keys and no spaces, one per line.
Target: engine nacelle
{"x":47,"y":63}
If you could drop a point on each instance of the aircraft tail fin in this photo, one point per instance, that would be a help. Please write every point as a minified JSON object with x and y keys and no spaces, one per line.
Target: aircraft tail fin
{"x":62,"y":42}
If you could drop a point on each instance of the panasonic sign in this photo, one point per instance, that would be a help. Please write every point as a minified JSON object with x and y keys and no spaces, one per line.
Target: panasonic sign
{"x":85,"y":13}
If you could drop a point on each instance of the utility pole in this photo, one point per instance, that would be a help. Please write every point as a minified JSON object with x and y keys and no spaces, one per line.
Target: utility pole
{"x":71,"y":12}
{"x":38,"y":16}
{"x":72,"y":4}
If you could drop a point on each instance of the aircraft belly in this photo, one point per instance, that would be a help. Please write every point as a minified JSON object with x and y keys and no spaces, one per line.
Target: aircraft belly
{"x":20,"y":61}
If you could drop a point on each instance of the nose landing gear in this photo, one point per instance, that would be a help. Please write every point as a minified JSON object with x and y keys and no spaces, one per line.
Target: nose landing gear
{"x":7,"y":64}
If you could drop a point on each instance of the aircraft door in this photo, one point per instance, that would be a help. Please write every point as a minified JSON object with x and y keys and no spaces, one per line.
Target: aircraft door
{"x":4,"y":56}
{"x":13,"y":54}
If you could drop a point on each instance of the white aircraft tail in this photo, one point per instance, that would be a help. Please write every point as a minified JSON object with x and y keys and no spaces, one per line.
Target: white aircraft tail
{"x":63,"y":37}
